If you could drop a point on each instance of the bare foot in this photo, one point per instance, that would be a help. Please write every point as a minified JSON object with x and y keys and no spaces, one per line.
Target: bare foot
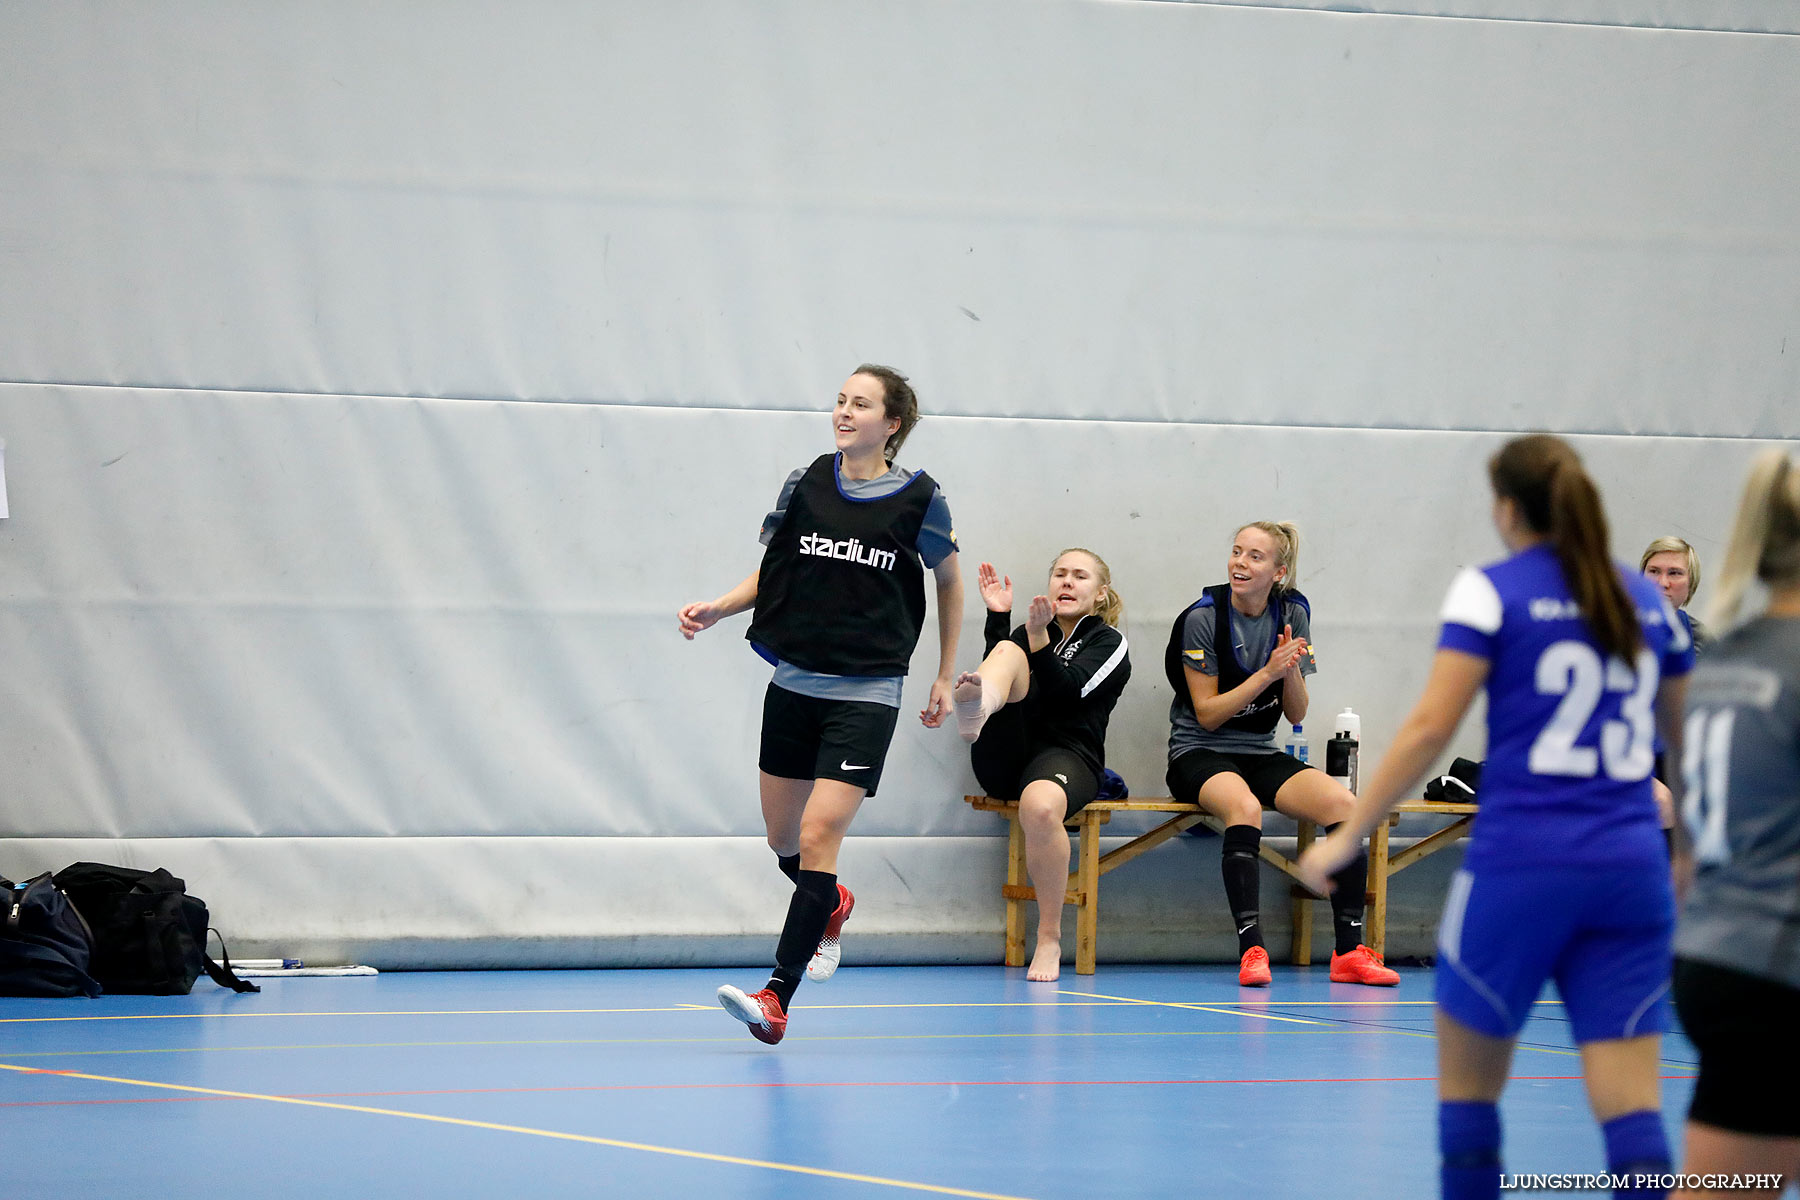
{"x":1046,"y":963}
{"x":966,"y":697}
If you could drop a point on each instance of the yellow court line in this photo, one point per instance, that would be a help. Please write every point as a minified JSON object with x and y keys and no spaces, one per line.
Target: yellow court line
{"x":1321,"y":1028}
{"x":516,"y":1012}
{"x":1229,"y":1012}
{"x":556,"y":1135}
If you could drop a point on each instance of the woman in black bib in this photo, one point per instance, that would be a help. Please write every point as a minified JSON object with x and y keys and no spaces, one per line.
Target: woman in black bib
{"x":1037,"y":711}
{"x":1238,"y":658}
{"x":839,"y":604}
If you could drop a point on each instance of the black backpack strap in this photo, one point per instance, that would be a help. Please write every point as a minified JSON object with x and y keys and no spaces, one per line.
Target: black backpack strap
{"x":224,"y":976}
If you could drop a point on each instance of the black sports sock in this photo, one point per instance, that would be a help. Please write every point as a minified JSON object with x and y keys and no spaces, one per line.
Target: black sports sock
{"x":790,"y":865}
{"x":815,"y":896}
{"x":782,"y":983}
{"x":1347,"y":901}
{"x":1243,"y":883}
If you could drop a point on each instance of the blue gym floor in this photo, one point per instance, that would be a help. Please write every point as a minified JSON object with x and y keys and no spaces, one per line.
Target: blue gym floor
{"x":961,"y":1081}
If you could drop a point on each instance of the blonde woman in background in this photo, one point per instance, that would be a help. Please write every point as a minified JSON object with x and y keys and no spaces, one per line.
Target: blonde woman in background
{"x":1672,"y":565}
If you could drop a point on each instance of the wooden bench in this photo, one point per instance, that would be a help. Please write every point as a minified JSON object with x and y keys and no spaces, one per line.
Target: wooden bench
{"x":1384,"y":866}
{"x":1083,"y":887}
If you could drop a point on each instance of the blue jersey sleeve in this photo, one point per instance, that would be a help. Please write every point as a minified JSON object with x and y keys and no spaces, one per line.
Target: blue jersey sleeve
{"x":773,"y":520}
{"x":1471,"y":615}
{"x":937,"y":536}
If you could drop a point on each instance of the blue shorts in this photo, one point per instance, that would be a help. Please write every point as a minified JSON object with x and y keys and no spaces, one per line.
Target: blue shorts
{"x":1602,"y":933}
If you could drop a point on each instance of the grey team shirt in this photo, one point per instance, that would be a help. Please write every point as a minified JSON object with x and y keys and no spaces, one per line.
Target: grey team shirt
{"x":1742,"y":807}
{"x":937,"y":541}
{"x":1197,"y":638}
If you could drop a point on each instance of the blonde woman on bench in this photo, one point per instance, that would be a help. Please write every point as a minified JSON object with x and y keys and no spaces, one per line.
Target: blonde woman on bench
{"x":1238,"y":658}
{"x":1036,"y":712}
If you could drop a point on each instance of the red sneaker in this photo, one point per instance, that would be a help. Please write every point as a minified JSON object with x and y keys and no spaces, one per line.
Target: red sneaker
{"x":824,"y":962}
{"x":1362,"y":965}
{"x":761,"y":1012}
{"x":1253,"y":971}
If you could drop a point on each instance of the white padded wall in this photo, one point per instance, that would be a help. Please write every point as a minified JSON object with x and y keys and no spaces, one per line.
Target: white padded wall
{"x":1135,"y":211}
{"x":377,"y":382}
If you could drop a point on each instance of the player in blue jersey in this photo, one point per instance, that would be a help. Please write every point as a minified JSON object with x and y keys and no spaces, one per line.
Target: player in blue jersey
{"x":1566,"y":875}
{"x":1737,"y":965}
{"x":839,"y":602}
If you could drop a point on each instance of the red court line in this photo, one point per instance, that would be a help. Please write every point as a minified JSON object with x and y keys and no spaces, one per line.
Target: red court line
{"x":677,"y":1087}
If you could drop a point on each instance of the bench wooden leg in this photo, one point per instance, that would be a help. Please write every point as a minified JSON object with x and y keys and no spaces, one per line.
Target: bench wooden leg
{"x":1375,"y":919}
{"x":1015,"y":878}
{"x":1087,"y":909}
{"x":1302,"y":902}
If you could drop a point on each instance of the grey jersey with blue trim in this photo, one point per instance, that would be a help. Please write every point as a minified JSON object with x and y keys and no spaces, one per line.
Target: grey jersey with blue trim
{"x":937,"y":541}
{"x":1199,"y":637}
{"x":1742,"y":807}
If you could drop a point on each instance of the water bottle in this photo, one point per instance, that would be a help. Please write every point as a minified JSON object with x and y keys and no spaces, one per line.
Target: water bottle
{"x":1296,"y":743}
{"x":1344,"y":749}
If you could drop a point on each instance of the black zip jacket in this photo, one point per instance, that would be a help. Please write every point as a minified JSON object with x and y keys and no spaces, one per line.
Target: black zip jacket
{"x":1074,"y":683}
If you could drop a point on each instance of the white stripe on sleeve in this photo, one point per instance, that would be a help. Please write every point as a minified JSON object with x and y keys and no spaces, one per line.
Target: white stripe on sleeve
{"x":1106,"y":668}
{"x":1473,"y":601}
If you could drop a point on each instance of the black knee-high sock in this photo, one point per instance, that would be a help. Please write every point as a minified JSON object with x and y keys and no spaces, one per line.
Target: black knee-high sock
{"x":1243,"y":883}
{"x":815,"y":895}
{"x":1347,"y":901}
{"x":790,"y":865}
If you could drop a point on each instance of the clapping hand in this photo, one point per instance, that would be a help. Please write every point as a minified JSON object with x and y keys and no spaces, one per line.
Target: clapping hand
{"x":1289,"y":653}
{"x":995,"y":588}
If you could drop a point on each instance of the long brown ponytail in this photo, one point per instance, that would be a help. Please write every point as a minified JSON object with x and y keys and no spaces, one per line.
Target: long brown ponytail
{"x":1544,"y":477}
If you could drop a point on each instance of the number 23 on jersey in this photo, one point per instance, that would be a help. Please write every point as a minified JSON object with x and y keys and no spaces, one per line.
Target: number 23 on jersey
{"x":1627,"y":749}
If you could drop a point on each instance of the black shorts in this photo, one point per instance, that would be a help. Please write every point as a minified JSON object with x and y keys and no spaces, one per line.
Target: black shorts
{"x":1007,"y":758}
{"x":804,"y":737}
{"x":1749,"y":1043}
{"x":1264,"y":772}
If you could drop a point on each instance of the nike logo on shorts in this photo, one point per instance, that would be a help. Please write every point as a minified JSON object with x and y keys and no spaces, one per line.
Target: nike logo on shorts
{"x":845,"y":766}
{"x":1064,"y":779}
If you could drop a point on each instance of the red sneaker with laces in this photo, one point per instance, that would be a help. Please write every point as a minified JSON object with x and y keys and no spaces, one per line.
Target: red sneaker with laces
{"x":1362,"y":965}
{"x":761,"y":1012}
{"x":824,"y":962}
{"x":1253,"y":971}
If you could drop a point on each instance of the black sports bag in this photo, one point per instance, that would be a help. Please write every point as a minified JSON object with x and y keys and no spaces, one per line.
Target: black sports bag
{"x":45,"y":946}
{"x":149,"y":934}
